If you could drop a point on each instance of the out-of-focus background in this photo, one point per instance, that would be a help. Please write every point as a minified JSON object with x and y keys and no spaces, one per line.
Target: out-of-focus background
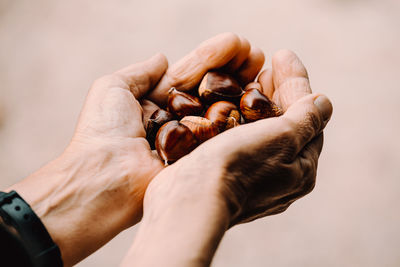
{"x":51,"y":51}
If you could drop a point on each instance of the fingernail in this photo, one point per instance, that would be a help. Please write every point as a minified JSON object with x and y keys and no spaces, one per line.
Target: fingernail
{"x":325,"y":108}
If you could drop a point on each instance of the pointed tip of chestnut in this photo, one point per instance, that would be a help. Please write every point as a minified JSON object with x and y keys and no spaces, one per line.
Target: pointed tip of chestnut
{"x":254,"y":105}
{"x":233,"y":120}
{"x":157,"y":119}
{"x":171,"y":90}
{"x":161,"y":116}
{"x":182,"y":104}
{"x":174,"y":140}
{"x":217,"y":86}
{"x":202,"y":128}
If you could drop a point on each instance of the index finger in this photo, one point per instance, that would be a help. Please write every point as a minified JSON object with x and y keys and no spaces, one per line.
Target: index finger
{"x":187,"y":72}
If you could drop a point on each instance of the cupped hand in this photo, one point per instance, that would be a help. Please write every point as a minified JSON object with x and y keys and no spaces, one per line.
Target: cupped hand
{"x":95,"y":189}
{"x":260,"y":168}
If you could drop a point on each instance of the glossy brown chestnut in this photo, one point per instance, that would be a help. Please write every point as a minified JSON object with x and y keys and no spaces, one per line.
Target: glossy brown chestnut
{"x":157,"y":119}
{"x":201,"y":127}
{"x":174,"y":140}
{"x":255,"y":106}
{"x":217,"y":86}
{"x":224,"y":115}
{"x":182,"y":104}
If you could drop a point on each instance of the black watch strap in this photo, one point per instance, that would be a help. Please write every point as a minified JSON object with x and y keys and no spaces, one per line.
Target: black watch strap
{"x":37,"y":241}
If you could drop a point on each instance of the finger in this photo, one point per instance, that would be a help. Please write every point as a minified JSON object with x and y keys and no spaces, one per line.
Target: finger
{"x":307,"y":118}
{"x":308,"y":161}
{"x":186,"y":73}
{"x":288,"y":133}
{"x":144,"y":76}
{"x":148,"y":109}
{"x":314,"y":147}
{"x":253,"y":85}
{"x":251,"y":67}
{"x":267,"y":83}
{"x":239,"y":58}
{"x":111,"y":109}
{"x":290,"y":77}
{"x":305,"y":167}
{"x":309,"y":155}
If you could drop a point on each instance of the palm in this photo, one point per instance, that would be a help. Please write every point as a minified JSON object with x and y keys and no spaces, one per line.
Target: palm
{"x":113,"y":116}
{"x":274,"y":171}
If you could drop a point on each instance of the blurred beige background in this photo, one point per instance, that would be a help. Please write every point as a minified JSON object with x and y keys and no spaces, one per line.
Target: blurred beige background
{"x":51,"y":51}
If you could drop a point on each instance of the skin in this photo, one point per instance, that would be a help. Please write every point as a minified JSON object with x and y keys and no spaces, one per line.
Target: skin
{"x":245,"y":173}
{"x":95,"y":188}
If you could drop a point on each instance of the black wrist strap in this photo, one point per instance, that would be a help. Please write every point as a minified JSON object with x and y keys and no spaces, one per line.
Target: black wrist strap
{"x":37,"y":241}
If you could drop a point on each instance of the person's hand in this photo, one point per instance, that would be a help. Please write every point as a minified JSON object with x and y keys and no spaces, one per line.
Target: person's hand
{"x":95,"y":189}
{"x":260,"y":168}
{"x":242,"y":174}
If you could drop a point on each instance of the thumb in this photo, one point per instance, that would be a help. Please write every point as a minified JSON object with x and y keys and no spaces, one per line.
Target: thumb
{"x":144,"y":76}
{"x":303,"y":120}
{"x":308,"y":117}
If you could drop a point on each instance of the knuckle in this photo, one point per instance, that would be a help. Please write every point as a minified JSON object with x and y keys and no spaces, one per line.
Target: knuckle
{"x":306,"y":129}
{"x":225,"y":38}
{"x":284,"y":56}
{"x":110,"y":80}
{"x":287,"y":127}
{"x":106,"y":78}
{"x":314,"y":156}
{"x":174,"y":77}
{"x":244,"y":45}
{"x":309,"y":177}
{"x":308,"y":185}
{"x":232,"y":37}
{"x":287,"y":132}
{"x":281,"y":208}
{"x":257,"y":51}
{"x":312,"y":122}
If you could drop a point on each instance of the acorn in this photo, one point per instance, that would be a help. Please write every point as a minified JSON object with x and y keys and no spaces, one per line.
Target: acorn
{"x":224,"y":115}
{"x":202,"y":128}
{"x":182,"y":104}
{"x":157,"y":119}
{"x":217,"y":86}
{"x":174,"y":140}
{"x":254,"y":105}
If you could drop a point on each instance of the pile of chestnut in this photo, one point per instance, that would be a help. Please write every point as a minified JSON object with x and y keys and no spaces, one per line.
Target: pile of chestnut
{"x":191,"y":119}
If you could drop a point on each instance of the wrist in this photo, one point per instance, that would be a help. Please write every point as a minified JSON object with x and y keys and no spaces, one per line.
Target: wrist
{"x":74,"y":212}
{"x":40,"y":190}
{"x":183,"y":222}
{"x":51,"y":192}
{"x":178,"y":189}
{"x":23,"y":224}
